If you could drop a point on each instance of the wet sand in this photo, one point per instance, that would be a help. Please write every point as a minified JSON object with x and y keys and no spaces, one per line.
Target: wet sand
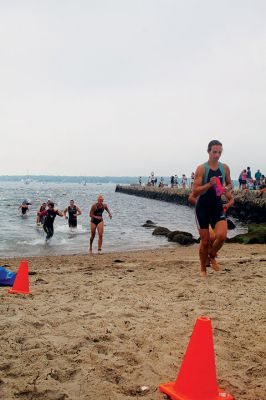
{"x":102,"y":327}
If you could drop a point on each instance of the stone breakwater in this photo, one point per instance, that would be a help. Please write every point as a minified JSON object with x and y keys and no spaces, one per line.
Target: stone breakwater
{"x":250,"y":206}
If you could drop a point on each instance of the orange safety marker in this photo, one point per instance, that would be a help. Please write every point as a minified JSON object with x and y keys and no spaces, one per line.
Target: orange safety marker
{"x":197,"y":376}
{"x":21,"y":284}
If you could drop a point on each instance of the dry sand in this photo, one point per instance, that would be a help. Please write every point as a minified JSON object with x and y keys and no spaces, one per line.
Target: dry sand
{"x":101,"y":327}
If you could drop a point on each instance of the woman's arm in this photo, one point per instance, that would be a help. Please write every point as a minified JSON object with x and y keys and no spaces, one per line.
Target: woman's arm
{"x":107,"y":209}
{"x":230,"y":200}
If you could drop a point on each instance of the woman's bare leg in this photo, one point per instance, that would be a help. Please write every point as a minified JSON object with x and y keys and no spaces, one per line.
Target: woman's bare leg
{"x":203,"y":250}
{"x":220,"y":237}
{"x":93,"y":230}
{"x":100,"y":234}
{"x":212,"y":239}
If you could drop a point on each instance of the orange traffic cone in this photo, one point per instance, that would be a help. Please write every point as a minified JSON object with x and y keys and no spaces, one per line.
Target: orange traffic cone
{"x":197,"y":376}
{"x":21,"y":284}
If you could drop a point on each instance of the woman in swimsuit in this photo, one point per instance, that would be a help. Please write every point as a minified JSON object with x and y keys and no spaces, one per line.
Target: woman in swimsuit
{"x":96,"y":213}
{"x":212,"y":179}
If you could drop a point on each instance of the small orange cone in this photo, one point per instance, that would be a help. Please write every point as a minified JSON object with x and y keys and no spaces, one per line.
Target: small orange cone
{"x":197,"y":376}
{"x":21,"y":284}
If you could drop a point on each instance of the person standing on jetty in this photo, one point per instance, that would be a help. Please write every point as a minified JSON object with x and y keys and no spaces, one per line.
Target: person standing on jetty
{"x":212,"y":179}
{"x":73,"y":212}
{"x":49,"y":217}
{"x":96,"y":213}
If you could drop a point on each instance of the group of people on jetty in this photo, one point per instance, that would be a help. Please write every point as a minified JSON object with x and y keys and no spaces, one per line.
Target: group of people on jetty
{"x":175,"y":182}
{"x":47,"y":213}
{"x":245,"y":180}
{"x":211,"y":195}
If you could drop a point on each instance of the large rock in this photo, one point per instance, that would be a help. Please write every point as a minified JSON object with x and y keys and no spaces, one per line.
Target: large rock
{"x":180,"y":237}
{"x":183,"y":238}
{"x":172,"y":234}
{"x":256,"y":234}
{"x":160,"y":231}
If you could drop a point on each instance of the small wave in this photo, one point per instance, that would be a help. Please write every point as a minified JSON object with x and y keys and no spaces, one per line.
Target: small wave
{"x":76,"y":231}
{"x":34,"y":242}
{"x":62,"y":228}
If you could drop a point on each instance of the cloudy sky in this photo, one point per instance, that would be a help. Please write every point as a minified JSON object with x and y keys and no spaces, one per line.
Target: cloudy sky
{"x":125,"y":87}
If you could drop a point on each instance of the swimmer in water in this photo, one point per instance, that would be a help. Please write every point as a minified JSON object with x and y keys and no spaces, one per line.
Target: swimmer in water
{"x":49,"y":217}
{"x":73,"y":212}
{"x":96,"y":213}
{"x":24,"y":208}
{"x":212,"y":179}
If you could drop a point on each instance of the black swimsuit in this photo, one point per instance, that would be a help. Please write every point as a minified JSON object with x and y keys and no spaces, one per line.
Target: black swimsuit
{"x":98,"y":212}
{"x":24,"y":209}
{"x":72,"y":220}
{"x":209,"y":207}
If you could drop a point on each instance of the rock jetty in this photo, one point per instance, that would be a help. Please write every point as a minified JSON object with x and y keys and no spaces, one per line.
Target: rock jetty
{"x":250,"y":206}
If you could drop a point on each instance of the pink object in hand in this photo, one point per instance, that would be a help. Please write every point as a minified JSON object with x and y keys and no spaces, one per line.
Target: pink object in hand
{"x":218,"y":187}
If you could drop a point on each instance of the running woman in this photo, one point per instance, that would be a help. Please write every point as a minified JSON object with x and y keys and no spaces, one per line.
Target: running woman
{"x":212,"y":179}
{"x":49,"y":217}
{"x":96,"y":213}
{"x":226,"y":206}
{"x":73,"y":212}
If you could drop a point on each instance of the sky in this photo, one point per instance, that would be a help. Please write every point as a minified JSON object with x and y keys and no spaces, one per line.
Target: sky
{"x":126,"y":87}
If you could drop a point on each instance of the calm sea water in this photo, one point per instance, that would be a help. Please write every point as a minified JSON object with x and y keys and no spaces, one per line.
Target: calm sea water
{"x":20,"y":236}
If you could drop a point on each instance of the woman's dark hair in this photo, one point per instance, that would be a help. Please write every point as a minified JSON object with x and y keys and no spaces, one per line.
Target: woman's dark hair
{"x":213,"y":143}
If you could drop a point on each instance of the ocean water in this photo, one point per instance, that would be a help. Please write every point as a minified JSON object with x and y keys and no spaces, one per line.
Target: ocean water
{"x":20,"y":237}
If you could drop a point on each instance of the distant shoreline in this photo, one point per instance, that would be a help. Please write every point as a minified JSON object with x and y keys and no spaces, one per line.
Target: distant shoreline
{"x":82,"y":179}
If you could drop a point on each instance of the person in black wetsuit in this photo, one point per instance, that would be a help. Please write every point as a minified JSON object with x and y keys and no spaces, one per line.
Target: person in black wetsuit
{"x":96,"y":213}
{"x":73,"y":212}
{"x":49,"y":217}
{"x":24,"y":208}
{"x":212,"y":179}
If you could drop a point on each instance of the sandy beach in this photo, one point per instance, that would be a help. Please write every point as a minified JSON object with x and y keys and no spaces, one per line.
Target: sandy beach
{"x":103,"y":327}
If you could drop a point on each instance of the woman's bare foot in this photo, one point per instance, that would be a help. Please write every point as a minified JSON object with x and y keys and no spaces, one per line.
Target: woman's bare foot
{"x":214,"y":263}
{"x":203,"y":272}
